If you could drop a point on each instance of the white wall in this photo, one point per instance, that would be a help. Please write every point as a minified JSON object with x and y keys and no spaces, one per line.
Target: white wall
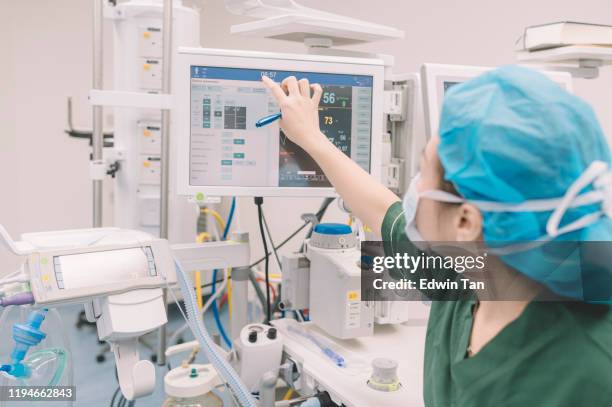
{"x":45,"y":56}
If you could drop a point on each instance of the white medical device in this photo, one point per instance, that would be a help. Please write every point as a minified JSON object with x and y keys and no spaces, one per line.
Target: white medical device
{"x":326,"y":280}
{"x":437,"y":79}
{"x":220,"y":97}
{"x":118,"y":274}
{"x":259,"y":349}
{"x":78,"y":265}
{"x":335,"y":283}
{"x":137,"y":27}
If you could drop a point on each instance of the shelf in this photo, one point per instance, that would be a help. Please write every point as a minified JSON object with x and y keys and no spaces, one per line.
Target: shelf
{"x":296,"y":27}
{"x":568,"y":54}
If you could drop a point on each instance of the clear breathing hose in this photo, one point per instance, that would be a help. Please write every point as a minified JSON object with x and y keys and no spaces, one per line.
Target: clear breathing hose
{"x":229,"y":375}
{"x":48,"y":363}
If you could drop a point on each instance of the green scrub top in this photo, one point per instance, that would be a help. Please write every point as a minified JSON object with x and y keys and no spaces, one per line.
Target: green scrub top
{"x":553,"y":354}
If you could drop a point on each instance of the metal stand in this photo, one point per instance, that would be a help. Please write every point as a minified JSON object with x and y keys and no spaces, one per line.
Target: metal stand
{"x":240,"y":290}
{"x":165,"y":155}
{"x":97,"y":139}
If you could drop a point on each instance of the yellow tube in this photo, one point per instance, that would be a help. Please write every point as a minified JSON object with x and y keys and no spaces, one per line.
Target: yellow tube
{"x":198,"y":286}
{"x":288,"y":395}
{"x":217,"y":217}
{"x":201,"y":238}
{"x":229,"y":292}
{"x":366,"y":228}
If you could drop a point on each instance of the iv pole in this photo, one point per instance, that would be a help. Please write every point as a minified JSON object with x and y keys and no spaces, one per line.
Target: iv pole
{"x":97,"y":138}
{"x":165,"y":154}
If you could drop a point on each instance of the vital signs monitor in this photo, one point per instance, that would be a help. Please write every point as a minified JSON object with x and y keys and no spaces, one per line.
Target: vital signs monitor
{"x":220,"y":97}
{"x":437,"y":79}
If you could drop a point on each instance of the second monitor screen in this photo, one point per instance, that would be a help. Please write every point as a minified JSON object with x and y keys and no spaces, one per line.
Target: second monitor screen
{"x":228,"y":150}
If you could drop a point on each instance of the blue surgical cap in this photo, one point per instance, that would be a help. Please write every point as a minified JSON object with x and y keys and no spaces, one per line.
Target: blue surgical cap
{"x":511,"y":135}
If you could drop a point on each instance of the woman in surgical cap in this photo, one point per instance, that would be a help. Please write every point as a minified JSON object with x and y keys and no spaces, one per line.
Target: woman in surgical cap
{"x":519,"y":164}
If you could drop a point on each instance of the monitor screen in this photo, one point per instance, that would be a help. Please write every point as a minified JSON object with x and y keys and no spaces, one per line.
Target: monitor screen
{"x":226,"y":149}
{"x":450,"y":84}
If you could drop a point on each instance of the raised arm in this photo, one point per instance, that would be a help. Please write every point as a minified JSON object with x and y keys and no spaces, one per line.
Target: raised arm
{"x":367,"y":198}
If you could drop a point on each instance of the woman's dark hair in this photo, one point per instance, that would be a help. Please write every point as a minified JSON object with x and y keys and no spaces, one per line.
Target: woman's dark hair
{"x":445,"y":185}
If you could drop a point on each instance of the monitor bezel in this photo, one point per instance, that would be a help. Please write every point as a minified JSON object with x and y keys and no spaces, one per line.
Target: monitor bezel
{"x":181,"y":117}
{"x":433,"y":77}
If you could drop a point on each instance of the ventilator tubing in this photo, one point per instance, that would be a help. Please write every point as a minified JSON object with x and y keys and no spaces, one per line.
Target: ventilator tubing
{"x":222,"y":366}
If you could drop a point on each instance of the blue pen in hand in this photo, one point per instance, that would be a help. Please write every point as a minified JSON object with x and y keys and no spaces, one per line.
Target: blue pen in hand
{"x":268,"y":119}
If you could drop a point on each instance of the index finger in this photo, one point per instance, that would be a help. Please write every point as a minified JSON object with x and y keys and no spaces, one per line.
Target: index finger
{"x":317,"y":92}
{"x":291,"y":84}
{"x":274,"y":87}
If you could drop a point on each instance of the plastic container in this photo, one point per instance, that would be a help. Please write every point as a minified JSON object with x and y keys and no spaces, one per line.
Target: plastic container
{"x":207,"y":400}
{"x":192,"y":386}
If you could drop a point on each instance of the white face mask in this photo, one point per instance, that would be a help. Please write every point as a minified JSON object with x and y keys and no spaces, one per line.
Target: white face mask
{"x":597,"y":175}
{"x":411,"y":204}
